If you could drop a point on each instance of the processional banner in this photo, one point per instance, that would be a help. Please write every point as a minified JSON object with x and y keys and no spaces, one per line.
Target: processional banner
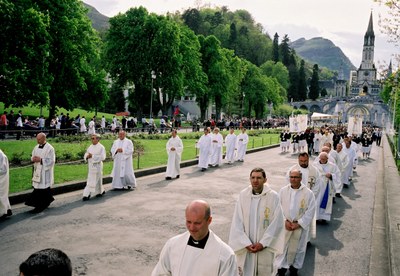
{"x":298,"y":123}
{"x":354,"y":125}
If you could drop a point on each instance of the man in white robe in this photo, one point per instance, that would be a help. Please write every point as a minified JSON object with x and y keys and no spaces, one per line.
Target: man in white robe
{"x":217,"y":142}
{"x":103,"y":125}
{"x":351,"y":153}
{"x":298,"y":205}
{"x":204,"y":146}
{"x":198,"y":251}
{"x":344,"y":161}
{"x":43,"y":159}
{"x":95,"y":155}
{"x":309,"y":176}
{"x":5,"y":207}
{"x":174,"y":150}
{"x":122,"y":172}
{"x":242,"y":141}
{"x":92,"y":126}
{"x":256,"y":233}
{"x":230,"y":144}
{"x":328,"y":178}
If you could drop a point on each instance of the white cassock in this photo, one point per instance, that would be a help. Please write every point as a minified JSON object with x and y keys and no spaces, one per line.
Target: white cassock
{"x":317,"y":142}
{"x":103,"y":123}
{"x":327,"y":189}
{"x":309,"y":178}
{"x":324,"y":139}
{"x":348,"y":172}
{"x":94,"y":183}
{"x":344,"y":161}
{"x":82,"y":124}
{"x":230,"y":144}
{"x":216,"y":149}
{"x":92,"y":128}
{"x":122,"y":172}
{"x":257,"y":218}
{"x":174,"y":156}
{"x":177,"y":258}
{"x":242,"y":140}
{"x":297,"y":205}
{"x":204,"y":146}
{"x":4,"y":184}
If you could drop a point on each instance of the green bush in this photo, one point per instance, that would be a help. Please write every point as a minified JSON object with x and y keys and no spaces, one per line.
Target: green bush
{"x":16,"y":158}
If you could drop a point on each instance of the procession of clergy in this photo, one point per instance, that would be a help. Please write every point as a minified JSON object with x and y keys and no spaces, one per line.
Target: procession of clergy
{"x":269,"y":231}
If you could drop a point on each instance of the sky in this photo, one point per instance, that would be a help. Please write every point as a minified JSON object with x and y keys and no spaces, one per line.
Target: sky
{"x":344,"y":22}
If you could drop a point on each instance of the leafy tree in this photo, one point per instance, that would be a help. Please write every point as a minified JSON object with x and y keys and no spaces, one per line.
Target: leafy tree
{"x":314,"y":84}
{"x":278,"y":71}
{"x":139,"y":43}
{"x":192,"y":19}
{"x":302,"y":82}
{"x":73,"y":55}
{"x":24,"y":51}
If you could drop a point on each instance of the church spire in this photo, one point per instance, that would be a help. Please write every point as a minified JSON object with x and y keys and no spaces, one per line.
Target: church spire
{"x":367,"y":61}
{"x":369,"y":37}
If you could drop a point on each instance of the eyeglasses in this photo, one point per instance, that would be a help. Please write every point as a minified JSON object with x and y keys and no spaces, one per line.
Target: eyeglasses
{"x":294,"y":176}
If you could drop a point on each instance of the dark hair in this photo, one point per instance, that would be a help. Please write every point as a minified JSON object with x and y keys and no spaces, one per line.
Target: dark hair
{"x":259,"y":170}
{"x":304,"y":154}
{"x":47,"y":262}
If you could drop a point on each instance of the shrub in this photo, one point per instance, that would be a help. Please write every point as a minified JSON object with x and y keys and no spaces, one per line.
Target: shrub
{"x":16,"y":158}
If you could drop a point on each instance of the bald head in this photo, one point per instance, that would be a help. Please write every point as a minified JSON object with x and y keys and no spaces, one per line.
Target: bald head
{"x":326,"y":149}
{"x":199,"y":207}
{"x":41,"y":138}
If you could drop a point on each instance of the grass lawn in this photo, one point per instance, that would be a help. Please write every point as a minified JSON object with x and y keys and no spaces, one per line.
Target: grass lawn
{"x":153,"y":154}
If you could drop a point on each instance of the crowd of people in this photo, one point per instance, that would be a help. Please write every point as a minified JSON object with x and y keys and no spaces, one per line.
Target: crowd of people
{"x":269,"y":230}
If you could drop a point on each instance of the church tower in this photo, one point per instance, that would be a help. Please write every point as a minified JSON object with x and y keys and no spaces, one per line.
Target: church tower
{"x":363,"y":81}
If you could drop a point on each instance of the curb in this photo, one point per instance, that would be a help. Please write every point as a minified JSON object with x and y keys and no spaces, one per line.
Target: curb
{"x":67,"y":187}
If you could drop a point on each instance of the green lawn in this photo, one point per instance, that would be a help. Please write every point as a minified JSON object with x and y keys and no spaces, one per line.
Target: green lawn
{"x":153,"y":154}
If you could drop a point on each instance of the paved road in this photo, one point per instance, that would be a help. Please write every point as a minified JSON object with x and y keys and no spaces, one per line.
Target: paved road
{"x":123,"y":232}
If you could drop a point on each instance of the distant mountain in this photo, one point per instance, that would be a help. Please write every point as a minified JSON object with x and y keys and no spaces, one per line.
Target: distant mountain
{"x":323,"y":52}
{"x":99,"y":21}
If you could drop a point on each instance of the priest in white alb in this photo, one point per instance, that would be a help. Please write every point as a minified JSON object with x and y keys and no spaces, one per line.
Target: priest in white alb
{"x":230,"y":144}
{"x":95,"y":155}
{"x":242,"y":141}
{"x":174,"y":150}
{"x":256,"y":233}
{"x":204,"y":146}
{"x":5,"y":207}
{"x":298,"y":205}
{"x":328,"y":178}
{"x":122,"y":172}
{"x":217,"y":142}
{"x":198,"y":251}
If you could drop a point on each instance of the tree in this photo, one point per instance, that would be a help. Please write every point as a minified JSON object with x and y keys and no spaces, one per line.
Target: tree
{"x":314,"y":84}
{"x":192,"y":18}
{"x":139,"y":43}
{"x":24,"y":51}
{"x":302,"y":82}
{"x":285,"y":51}
{"x":293,"y":90}
{"x":275,"y":48}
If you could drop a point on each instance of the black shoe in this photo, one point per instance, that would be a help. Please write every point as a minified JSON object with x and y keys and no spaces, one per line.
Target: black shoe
{"x":177,"y":176}
{"x":338,"y":195}
{"x":100,"y":195}
{"x":346,"y":186}
{"x":334,"y":200}
{"x":282,"y":271}
{"x":129,"y":187}
{"x":203,"y":169}
{"x":168,"y":178}
{"x":37,"y":210}
{"x":293,"y":271}
{"x":85,"y":198}
{"x":9,"y":213}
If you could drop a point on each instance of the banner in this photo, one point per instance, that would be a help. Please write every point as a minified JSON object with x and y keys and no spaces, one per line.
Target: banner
{"x":355,"y":125}
{"x":298,"y":123}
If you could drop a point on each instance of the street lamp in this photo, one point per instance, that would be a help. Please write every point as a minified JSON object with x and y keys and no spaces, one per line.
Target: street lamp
{"x":153,"y":77}
{"x":243,"y":95}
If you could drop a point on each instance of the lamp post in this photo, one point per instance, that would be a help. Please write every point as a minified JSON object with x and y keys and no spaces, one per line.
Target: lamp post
{"x":243,"y":95}
{"x":153,"y":77}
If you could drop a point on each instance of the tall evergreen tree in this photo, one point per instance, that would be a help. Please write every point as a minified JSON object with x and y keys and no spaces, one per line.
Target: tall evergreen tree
{"x":293,"y":91}
{"x":275,"y":48}
{"x":302,"y":88}
{"x":285,"y":50}
{"x":314,"y":84}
